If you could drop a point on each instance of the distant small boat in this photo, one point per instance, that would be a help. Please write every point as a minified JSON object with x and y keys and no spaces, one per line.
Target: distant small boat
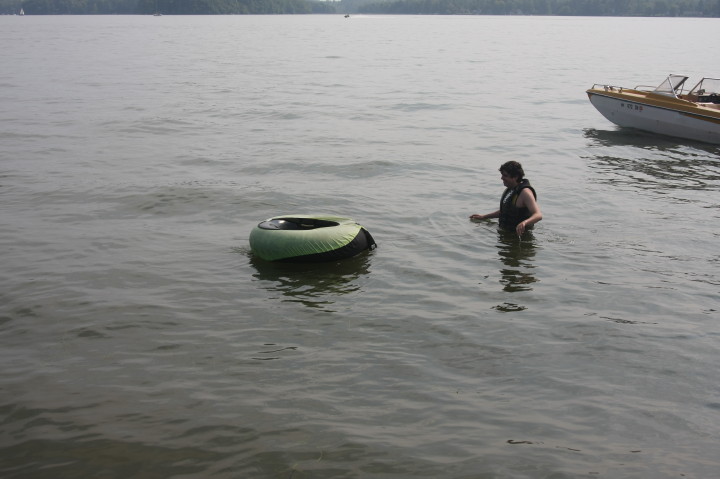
{"x":347,"y":15}
{"x":22,"y":12}
{"x":666,"y":109}
{"x":157,"y":14}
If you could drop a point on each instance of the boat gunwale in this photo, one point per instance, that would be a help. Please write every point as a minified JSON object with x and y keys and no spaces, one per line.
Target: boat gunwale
{"x":657,"y":100}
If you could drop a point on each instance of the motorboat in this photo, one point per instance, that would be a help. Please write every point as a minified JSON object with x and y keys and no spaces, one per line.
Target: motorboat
{"x":666,"y":109}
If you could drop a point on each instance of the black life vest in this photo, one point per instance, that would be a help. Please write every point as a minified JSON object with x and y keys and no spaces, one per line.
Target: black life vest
{"x":510,"y":214}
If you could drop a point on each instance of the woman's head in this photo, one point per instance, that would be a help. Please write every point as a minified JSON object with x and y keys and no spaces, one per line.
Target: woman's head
{"x":513,"y":169}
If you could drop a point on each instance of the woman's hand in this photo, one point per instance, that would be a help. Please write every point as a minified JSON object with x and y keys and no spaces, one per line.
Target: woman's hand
{"x":521,"y":227}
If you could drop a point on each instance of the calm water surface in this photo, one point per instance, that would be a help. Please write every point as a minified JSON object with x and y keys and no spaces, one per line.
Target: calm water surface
{"x":139,"y":337}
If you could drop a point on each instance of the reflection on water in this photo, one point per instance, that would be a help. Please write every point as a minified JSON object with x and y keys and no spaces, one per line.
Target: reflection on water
{"x":516,"y":255}
{"x":315,"y":285}
{"x":629,"y":137}
{"x":669,"y":173}
{"x":649,"y":141}
{"x":633,"y":158}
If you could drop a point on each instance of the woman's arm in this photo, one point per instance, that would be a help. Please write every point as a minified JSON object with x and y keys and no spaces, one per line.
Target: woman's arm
{"x":494,"y":214}
{"x":527,"y":200}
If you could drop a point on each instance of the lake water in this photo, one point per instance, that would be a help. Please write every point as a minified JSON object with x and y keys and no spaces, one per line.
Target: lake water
{"x":140,"y":338}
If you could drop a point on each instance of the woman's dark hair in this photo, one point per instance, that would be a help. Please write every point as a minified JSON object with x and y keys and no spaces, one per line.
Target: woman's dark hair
{"x":513,"y":169}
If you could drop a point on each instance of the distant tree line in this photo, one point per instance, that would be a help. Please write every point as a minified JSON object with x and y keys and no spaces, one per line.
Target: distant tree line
{"x":166,"y":7}
{"x":75,"y":7}
{"x":624,"y":8}
{"x":233,"y":7}
{"x":645,"y":8}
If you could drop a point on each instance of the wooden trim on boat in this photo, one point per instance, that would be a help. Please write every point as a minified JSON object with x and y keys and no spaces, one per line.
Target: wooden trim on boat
{"x":656,"y":100}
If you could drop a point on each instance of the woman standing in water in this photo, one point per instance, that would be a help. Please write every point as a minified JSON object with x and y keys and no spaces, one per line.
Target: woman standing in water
{"x":518,"y":206}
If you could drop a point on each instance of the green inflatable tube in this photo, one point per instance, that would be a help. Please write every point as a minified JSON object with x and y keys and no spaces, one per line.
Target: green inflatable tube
{"x":298,"y":238}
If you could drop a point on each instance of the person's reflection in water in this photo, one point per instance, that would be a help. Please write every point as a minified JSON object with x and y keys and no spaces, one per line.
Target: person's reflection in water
{"x":516,"y":274}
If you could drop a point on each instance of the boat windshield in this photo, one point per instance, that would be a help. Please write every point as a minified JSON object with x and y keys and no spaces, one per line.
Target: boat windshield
{"x":672,"y":86}
{"x":706,"y":87}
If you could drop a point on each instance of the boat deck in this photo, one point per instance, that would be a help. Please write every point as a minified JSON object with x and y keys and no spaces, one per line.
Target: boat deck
{"x":714,"y":106}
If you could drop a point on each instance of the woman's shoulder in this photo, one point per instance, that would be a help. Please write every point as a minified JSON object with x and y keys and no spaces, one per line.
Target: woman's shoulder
{"x":527,"y":189}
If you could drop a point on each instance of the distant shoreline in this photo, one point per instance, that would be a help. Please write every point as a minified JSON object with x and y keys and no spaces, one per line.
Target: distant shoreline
{"x":342,"y":13}
{"x":550,"y":8}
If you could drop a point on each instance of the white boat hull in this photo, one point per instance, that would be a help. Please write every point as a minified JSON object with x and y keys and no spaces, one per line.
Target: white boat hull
{"x":693,"y":123}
